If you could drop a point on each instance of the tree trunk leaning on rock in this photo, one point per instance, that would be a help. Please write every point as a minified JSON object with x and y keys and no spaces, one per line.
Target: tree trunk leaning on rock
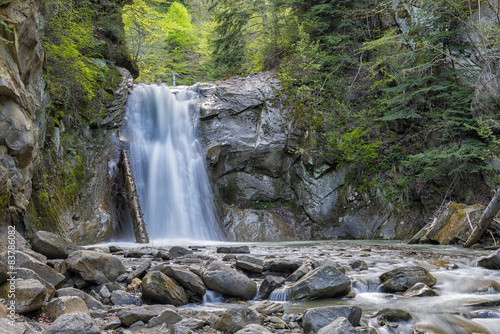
{"x":489,"y":213}
{"x":141,"y":234}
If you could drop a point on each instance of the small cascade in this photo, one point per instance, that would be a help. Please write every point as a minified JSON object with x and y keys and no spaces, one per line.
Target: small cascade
{"x":212,"y":297}
{"x":169,"y":166}
{"x":282,"y":294}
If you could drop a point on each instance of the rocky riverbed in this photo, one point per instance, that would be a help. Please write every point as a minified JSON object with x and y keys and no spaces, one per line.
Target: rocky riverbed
{"x":300,"y":287}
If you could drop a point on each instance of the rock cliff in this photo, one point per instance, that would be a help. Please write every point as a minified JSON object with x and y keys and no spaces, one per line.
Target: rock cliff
{"x":21,"y":103}
{"x":268,"y":191}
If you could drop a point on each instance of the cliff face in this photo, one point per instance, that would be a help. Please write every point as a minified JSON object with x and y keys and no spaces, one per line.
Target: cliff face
{"x":266,"y":188}
{"x":21,"y":103}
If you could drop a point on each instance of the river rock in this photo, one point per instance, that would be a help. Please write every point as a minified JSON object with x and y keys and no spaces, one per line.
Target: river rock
{"x":323,"y":282}
{"x":227,"y":281}
{"x":491,"y":261}
{"x":130,"y":316}
{"x":338,"y":326}
{"x":282,"y":266}
{"x":141,"y":252}
{"x":51,"y":245}
{"x":420,"y":290}
{"x":233,"y":249}
{"x":30,"y":295}
{"x":253,"y":329}
{"x":236,"y":318}
{"x":90,"y":301}
{"x":167,"y":317}
{"x":249,"y":266}
{"x":269,"y":284}
{"x":394,"y":314}
{"x":401,"y":279}
{"x":159,"y":288}
{"x":120,"y":297}
{"x":9,"y":327}
{"x":73,"y":323}
{"x":178,"y":251}
{"x":141,"y":269}
{"x":299,"y":273}
{"x":187,"y":279}
{"x":24,"y":260}
{"x":95,"y":267}
{"x":4,"y":311}
{"x":319,"y":317}
{"x":67,"y":304}
{"x":24,"y":273}
{"x":359,"y":265}
{"x":267,"y":307}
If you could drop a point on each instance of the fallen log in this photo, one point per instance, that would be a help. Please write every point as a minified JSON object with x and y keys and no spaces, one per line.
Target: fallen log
{"x":141,"y":234}
{"x":488,"y":215}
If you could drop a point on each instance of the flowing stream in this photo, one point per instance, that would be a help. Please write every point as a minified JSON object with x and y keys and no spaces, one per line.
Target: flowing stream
{"x":169,"y":166}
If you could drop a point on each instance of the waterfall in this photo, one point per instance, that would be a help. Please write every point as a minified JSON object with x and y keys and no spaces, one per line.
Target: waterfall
{"x":169,"y":166}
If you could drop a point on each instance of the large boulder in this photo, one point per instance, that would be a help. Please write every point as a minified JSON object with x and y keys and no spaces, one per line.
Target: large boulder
{"x":323,"y":282}
{"x":237,"y":318}
{"x":90,"y":301}
{"x":73,"y":323}
{"x":120,"y":297}
{"x":401,"y":279}
{"x":25,"y":274}
{"x":9,"y":327}
{"x":168,"y":317}
{"x":158,"y":287}
{"x":269,"y":284}
{"x":51,"y":245}
{"x":67,"y":304}
{"x":24,"y":260}
{"x":187,"y":279}
{"x":95,"y":267}
{"x":227,"y":281}
{"x":316,"y":318}
{"x":491,"y":261}
{"x":30,"y":294}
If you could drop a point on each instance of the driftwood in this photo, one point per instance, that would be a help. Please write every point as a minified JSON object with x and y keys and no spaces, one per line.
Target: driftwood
{"x":141,"y":235}
{"x":488,"y":215}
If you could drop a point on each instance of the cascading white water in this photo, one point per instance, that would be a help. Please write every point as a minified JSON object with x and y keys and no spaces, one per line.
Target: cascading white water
{"x":169,"y":166}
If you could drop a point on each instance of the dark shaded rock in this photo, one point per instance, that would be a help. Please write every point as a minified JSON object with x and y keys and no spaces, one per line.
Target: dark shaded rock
{"x":229,"y":282}
{"x":142,"y":313}
{"x":178,"y":251}
{"x":3,"y":273}
{"x":320,"y":263}
{"x":491,"y":261}
{"x":249,"y":266}
{"x":164,"y":255}
{"x":187,"y":279}
{"x":51,"y":245}
{"x":269,"y":284}
{"x":30,"y":295}
{"x":338,"y":326}
{"x":282,"y":266}
{"x":233,"y":250}
{"x":73,"y":323}
{"x":159,"y":288}
{"x":316,"y":318}
{"x":62,"y":305}
{"x":420,"y":290}
{"x":115,"y":249}
{"x":236,"y":318}
{"x":401,"y":279}
{"x":323,"y":282}
{"x":90,"y":301}
{"x":394,"y":314}
{"x":95,"y":267}
{"x":120,"y":297}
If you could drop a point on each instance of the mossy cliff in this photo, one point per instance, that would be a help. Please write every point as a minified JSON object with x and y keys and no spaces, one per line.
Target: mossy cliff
{"x":65,"y":78}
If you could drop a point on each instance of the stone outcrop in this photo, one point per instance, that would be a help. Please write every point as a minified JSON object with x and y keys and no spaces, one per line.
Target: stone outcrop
{"x":21,"y":104}
{"x":268,"y":189}
{"x":95,"y":267}
{"x":323,"y":282}
{"x":401,"y":279}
